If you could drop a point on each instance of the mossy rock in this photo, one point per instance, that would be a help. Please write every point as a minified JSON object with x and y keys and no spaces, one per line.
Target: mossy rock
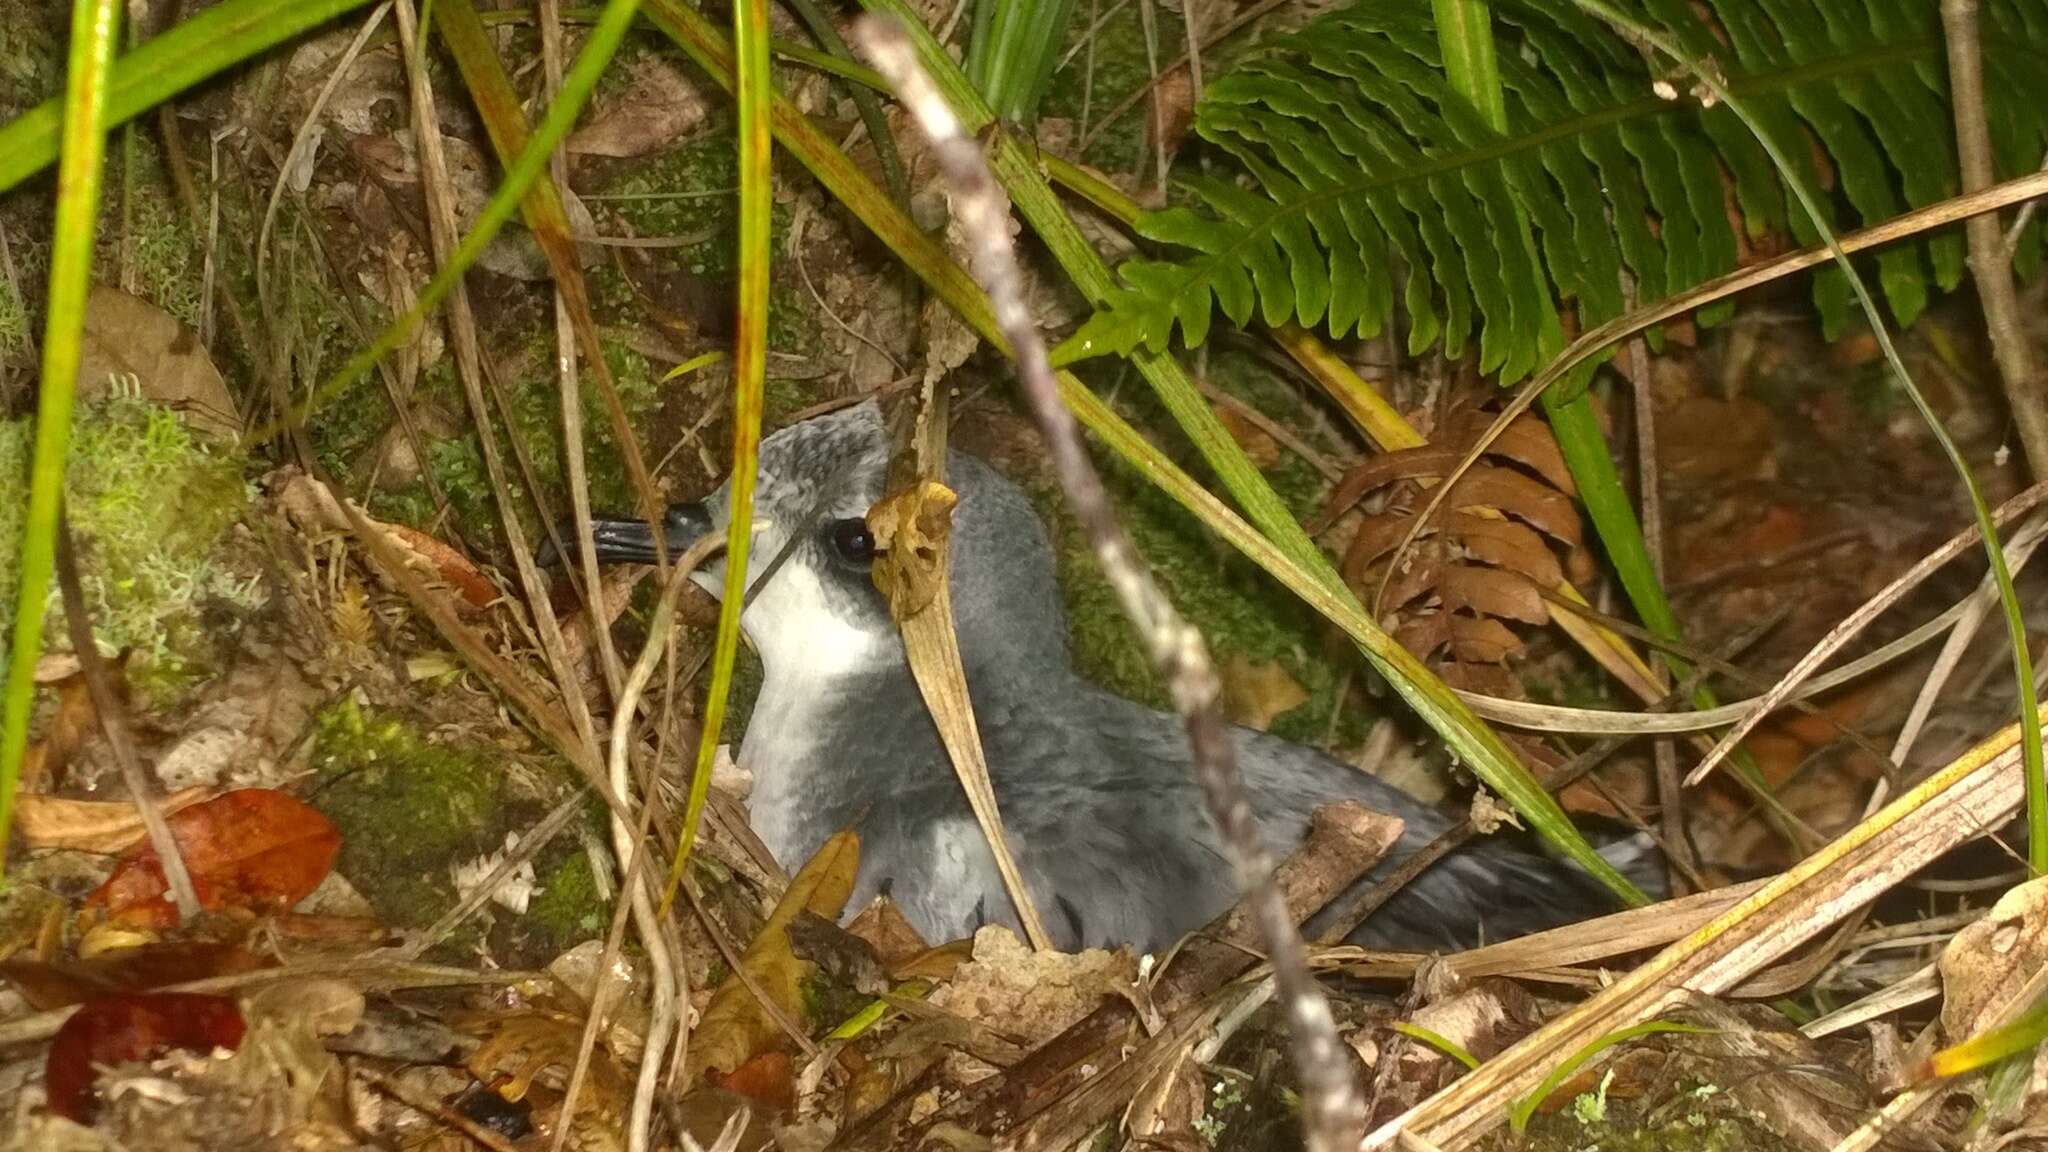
{"x":149,"y":503}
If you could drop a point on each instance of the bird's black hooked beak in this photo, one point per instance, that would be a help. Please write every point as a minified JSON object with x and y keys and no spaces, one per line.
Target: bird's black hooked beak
{"x":632,"y":542}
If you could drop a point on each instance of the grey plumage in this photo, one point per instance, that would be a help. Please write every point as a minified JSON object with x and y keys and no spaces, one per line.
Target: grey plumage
{"x":1095,"y":790}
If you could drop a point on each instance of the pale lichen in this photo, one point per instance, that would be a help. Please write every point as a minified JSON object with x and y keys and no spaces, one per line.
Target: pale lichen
{"x":148,"y":503}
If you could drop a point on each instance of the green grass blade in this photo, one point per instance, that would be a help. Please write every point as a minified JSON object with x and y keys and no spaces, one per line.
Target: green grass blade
{"x":1518,"y":1116}
{"x":749,"y":372}
{"x":196,"y":49}
{"x":94,"y":24}
{"x":2018,"y":1035}
{"x":1438,"y":1041}
{"x":1013,"y":50}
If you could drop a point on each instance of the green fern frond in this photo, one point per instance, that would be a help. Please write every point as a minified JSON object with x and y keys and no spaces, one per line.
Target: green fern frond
{"x":1343,"y":161}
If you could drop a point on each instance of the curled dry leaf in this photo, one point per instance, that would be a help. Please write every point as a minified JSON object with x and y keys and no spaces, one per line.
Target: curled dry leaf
{"x":107,"y":826}
{"x":658,"y":106}
{"x":75,"y":717}
{"x":453,"y":568}
{"x":130,"y":340}
{"x":1989,"y":962}
{"x":883,"y":925}
{"x":255,"y":850}
{"x":120,"y":1029}
{"x":911,"y":530}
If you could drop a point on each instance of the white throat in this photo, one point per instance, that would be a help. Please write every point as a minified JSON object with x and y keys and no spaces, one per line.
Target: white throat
{"x":798,"y":635}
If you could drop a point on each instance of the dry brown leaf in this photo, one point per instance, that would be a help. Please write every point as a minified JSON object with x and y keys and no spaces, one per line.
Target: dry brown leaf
{"x":1988,"y":962}
{"x":1487,"y":557}
{"x":911,"y":531}
{"x":1492,"y":592}
{"x":44,"y":763}
{"x":132,"y":340}
{"x":1254,"y":695}
{"x":883,"y":925}
{"x":658,"y":105}
{"x":1521,"y":496}
{"x":735,"y":1027}
{"x":91,"y":825}
{"x":314,"y":508}
{"x":1507,"y":544}
{"x":1527,"y":441}
{"x":1481,"y":640}
{"x":1032,"y":996}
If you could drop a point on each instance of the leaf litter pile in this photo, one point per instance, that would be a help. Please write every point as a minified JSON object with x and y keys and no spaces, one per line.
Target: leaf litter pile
{"x":405,"y":928}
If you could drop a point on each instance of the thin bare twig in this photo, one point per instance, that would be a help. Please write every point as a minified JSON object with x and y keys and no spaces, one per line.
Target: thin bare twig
{"x":114,"y":724}
{"x":1335,"y":1111}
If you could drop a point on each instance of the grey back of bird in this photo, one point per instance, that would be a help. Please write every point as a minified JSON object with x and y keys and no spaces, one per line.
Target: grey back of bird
{"x":1095,"y":791}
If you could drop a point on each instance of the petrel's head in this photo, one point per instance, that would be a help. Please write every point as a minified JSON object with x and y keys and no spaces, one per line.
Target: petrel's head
{"x":812,"y":603}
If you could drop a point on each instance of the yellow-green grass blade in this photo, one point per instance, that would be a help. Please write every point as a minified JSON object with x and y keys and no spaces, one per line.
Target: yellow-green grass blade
{"x":756,"y":97}
{"x":94,"y":25}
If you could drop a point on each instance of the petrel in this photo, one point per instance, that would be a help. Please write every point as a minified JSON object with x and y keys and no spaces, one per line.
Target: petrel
{"x":1095,"y":791}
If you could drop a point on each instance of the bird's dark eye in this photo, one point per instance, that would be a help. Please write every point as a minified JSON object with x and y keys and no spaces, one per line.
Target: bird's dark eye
{"x":852,"y":541}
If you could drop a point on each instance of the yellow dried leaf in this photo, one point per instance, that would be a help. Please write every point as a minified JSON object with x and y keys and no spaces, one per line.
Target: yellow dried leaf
{"x":91,"y":825}
{"x":912,"y":531}
{"x":1256,"y":694}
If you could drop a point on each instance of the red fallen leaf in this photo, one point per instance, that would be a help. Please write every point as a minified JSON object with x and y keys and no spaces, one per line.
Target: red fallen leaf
{"x":766,"y":1079}
{"x":451,"y":566}
{"x":120,"y":1029}
{"x":257,"y":850}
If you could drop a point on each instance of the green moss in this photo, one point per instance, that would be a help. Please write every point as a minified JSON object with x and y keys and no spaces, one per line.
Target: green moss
{"x":165,"y":261}
{"x":14,"y":321}
{"x":149,"y":502}
{"x":567,"y":910}
{"x":689,"y":190}
{"x":406,"y":808}
{"x":828,"y":1003}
